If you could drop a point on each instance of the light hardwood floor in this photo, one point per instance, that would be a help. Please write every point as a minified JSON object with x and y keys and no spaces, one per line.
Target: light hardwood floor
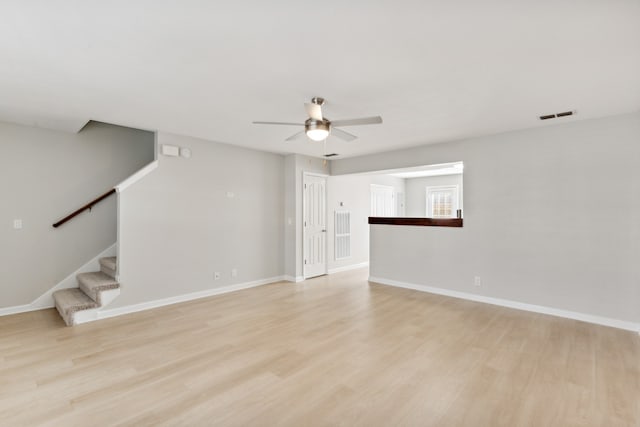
{"x":330,"y":351}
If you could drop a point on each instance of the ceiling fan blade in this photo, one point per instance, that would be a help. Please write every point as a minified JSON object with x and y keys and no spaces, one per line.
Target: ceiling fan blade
{"x":314,"y":111}
{"x":356,"y":122}
{"x":278,"y":123}
{"x":345,"y":136}
{"x":296,"y":136}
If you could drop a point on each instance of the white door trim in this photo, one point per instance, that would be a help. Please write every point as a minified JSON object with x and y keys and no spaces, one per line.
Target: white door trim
{"x":304,"y":236}
{"x":373,"y":188}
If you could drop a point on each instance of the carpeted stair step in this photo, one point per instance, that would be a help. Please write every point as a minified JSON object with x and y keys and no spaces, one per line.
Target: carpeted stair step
{"x":95,"y":282}
{"x":108,"y":265}
{"x":70,"y":301}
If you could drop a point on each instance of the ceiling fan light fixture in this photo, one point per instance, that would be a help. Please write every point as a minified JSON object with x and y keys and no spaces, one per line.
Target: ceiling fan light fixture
{"x":316,"y":130}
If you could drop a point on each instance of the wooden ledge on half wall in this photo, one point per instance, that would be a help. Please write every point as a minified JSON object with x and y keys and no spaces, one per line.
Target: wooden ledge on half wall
{"x":424,"y":222}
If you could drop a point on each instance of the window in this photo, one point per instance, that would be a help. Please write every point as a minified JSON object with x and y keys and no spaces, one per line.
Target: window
{"x":442,"y":201}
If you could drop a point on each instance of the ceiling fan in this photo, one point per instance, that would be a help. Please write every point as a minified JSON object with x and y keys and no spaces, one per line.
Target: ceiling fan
{"x":317,"y":127}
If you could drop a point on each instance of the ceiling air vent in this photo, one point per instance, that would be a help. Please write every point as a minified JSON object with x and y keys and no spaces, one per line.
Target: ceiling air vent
{"x":331,"y":155}
{"x":557,"y":115}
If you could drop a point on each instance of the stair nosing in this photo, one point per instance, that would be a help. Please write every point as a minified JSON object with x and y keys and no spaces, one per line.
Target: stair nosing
{"x":74,"y":308}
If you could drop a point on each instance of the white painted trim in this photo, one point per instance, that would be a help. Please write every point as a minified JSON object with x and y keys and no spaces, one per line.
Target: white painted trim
{"x":295,"y":279}
{"x":85,"y":316}
{"x":103,"y":314}
{"x":590,"y":318}
{"x":349,"y":267}
{"x":136,"y":176}
{"x":429,"y":207}
{"x":304,"y":232}
{"x":19,"y":309}
{"x":46,"y":300}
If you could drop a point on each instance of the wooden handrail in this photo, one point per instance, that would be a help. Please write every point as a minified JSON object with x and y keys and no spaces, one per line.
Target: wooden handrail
{"x":84,"y":208}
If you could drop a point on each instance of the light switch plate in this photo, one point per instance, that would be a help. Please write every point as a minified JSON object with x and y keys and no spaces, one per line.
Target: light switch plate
{"x":170,"y":150}
{"x":17,"y":224}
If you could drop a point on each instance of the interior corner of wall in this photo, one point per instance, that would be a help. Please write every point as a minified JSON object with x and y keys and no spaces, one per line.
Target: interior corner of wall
{"x":155,"y":145}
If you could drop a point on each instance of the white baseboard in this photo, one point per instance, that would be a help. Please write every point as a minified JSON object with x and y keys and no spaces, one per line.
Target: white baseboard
{"x":103,"y":314}
{"x":46,"y":300}
{"x":295,"y":279}
{"x":19,"y":309}
{"x":590,"y":318}
{"x":348,"y":267}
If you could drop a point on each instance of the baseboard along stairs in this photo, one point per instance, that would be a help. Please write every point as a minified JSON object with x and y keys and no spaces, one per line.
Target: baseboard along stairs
{"x":95,"y":290}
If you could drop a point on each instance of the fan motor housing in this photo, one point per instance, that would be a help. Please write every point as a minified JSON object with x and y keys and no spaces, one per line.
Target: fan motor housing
{"x":312,"y":124}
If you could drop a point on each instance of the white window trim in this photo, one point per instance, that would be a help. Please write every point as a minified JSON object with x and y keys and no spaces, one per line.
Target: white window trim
{"x":456,"y":199}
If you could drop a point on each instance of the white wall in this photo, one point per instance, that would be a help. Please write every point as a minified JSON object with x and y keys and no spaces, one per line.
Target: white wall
{"x":44,"y":176}
{"x":551,"y":218}
{"x":354,"y":192}
{"x":178,"y":226}
{"x":416,"y":193}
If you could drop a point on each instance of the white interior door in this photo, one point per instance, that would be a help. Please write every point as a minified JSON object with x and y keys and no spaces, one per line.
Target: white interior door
{"x":315,"y":225}
{"x":382,"y":203}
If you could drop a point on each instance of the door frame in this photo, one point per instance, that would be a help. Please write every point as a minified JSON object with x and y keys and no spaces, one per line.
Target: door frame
{"x":304,"y":232}
{"x":393,"y":196}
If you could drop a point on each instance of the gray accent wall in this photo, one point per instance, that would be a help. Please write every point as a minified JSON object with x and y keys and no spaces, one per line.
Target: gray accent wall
{"x":221,"y":209}
{"x":552,"y":218}
{"x":44,"y":176}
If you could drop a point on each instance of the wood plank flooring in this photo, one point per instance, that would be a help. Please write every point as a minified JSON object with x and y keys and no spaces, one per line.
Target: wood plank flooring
{"x":332,"y":351}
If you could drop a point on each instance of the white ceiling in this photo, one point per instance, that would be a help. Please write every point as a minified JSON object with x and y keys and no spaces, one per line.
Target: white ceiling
{"x":434,"y":70}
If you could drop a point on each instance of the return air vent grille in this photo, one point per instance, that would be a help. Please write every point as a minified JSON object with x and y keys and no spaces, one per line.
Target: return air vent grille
{"x":557,"y":115}
{"x":342,"y":234}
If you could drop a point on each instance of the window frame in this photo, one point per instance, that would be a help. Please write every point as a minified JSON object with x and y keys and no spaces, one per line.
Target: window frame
{"x":455,"y":200}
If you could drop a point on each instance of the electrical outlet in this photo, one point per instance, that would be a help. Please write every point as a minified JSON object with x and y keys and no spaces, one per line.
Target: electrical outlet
{"x":234,"y":272}
{"x":477,"y":281}
{"x":216,"y":275}
{"x":17,"y":224}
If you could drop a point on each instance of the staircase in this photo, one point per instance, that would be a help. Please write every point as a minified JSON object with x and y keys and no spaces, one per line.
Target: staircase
{"x":95,"y":290}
